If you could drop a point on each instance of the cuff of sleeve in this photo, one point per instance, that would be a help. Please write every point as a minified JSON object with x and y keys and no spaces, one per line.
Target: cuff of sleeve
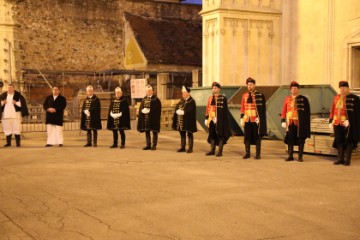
{"x":330,"y":120}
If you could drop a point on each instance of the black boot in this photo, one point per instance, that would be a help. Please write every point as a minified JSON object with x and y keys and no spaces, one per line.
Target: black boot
{"x":148,"y":141}
{"x":221,"y":145}
{"x":88,"y":138}
{"x":247,"y":150}
{"x":191,"y":144}
{"x":155,"y":139}
{"x":301,"y":150}
{"x":8,"y":141}
{"x":123,"y":138}
{"x":212,"y":150}
{"x":17,"y":139}
{"x":95,"y":138}
{"x":183,"y":143}
{"x":340,"y":156}
{"x":291,"y":153}
{"x":258,"y":149}
{"x":115,"y":137}
{"x":348,"y":152}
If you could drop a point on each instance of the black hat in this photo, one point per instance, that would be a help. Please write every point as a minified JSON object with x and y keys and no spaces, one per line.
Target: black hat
{"x":185,"y":89}
{"x":250,"y":80}
{"x":216,"y":84}
{"x":343,"y":84}
{"x":294,"y":84}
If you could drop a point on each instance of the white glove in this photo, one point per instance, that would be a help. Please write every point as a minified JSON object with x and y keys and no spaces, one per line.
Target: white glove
{"x":331,"y":126}
{"x":346,"y":123}
{"x":87,"y":113}
{"x":180,"y":112}
{"x":214,"y":120}
{"x":283,"y":124}
{"x":257,"y":121}
{"x":119,"y":114}
{"x":112,"y":114}
{"x":242,"y":122}
{"x":145,"y":110}
{"x":206,"y":122}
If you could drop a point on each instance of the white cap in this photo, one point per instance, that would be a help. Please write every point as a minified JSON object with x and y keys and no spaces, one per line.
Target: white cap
{"x":118,"y":89}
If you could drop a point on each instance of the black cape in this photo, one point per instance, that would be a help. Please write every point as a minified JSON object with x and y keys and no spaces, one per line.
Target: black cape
{"x":303,"y":106}
{"x":189,"y":117}
{"x":17,"y":97}
{"x":222,"y":126}
{"x":95,"y":118}
{"x":124,"y":120}
{"x":153,"y":122}
{"x":353,"y":114}
{"x":56,"y":118}
{"x":261,"y":110}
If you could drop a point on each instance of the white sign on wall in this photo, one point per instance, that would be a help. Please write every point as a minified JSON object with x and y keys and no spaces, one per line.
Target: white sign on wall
{"x":137,"y":87}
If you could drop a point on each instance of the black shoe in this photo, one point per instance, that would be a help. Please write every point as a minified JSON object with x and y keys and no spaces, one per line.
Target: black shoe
{"x":212,"y":152}
{"x":346,"y":163}
{"x":289,"y":159}
{"x":48,"y":145}
{"x":338,"y":162}
{"x":61,"y":145}
{"x":181,"y":150}
{"x":246,"y":156}
{"x":189,"y":150}
{"x":122,"y":146}
{"x":300,"y":160}
{"x":88,"y":145}
{"x":257,"y":157}
{"x":113,"y":146}
{"x":219,"y":154}
{"x":153,"y":148}
{"x":147,"y":148}
{"x":7,"y":145}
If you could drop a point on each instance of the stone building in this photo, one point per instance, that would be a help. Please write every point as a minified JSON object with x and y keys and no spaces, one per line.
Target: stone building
{"x":278,"y":41}
{"x":72,"y":43}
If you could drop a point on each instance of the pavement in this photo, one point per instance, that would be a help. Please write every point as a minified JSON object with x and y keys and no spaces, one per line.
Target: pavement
{"x":130,"y":194}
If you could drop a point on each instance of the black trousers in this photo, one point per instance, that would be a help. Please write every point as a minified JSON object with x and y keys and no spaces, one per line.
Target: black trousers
{"x":251,"y":133}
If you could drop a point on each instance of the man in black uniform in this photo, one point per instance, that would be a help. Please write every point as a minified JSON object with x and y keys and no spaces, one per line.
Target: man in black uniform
{"x":295,"y":118}
{"x":184,"y":119}
{"x":149,"y":117}
{"x":345,"y":120}
{"x":54,"y":105}
{"x":216,"y":118}
{"x":118,"y":118}
{"x":90,"y":116}
{"x":253,"y":118}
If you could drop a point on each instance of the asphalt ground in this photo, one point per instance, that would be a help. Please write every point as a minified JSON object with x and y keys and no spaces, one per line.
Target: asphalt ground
{"x":129,"y":194}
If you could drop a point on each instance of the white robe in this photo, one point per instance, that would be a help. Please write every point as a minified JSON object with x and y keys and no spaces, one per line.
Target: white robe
{"x":54,"y":134}
{"x":11,"y":120}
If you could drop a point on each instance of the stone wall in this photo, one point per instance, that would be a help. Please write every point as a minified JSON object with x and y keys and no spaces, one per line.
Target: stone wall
{"x":69,"y":34}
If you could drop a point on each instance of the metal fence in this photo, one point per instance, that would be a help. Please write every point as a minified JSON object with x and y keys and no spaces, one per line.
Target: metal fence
{"x":35,"y":122}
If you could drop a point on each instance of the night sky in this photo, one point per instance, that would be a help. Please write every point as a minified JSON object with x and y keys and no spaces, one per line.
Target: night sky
{"x":193,"y":1}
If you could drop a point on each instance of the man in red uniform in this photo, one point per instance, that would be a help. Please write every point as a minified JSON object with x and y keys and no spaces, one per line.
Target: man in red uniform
{"x":295,"y":117}
{"x":216,"y":119}
{"x":253,"y":118}
{"x":345,"y":120}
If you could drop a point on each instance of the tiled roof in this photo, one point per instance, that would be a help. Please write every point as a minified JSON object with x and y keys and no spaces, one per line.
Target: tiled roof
{"x":168,"y":41}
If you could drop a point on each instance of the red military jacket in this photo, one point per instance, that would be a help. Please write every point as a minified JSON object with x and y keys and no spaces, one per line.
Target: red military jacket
{"x":248,"y":109}
{"x":338,"y":110}
{"x":290,"y":111}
